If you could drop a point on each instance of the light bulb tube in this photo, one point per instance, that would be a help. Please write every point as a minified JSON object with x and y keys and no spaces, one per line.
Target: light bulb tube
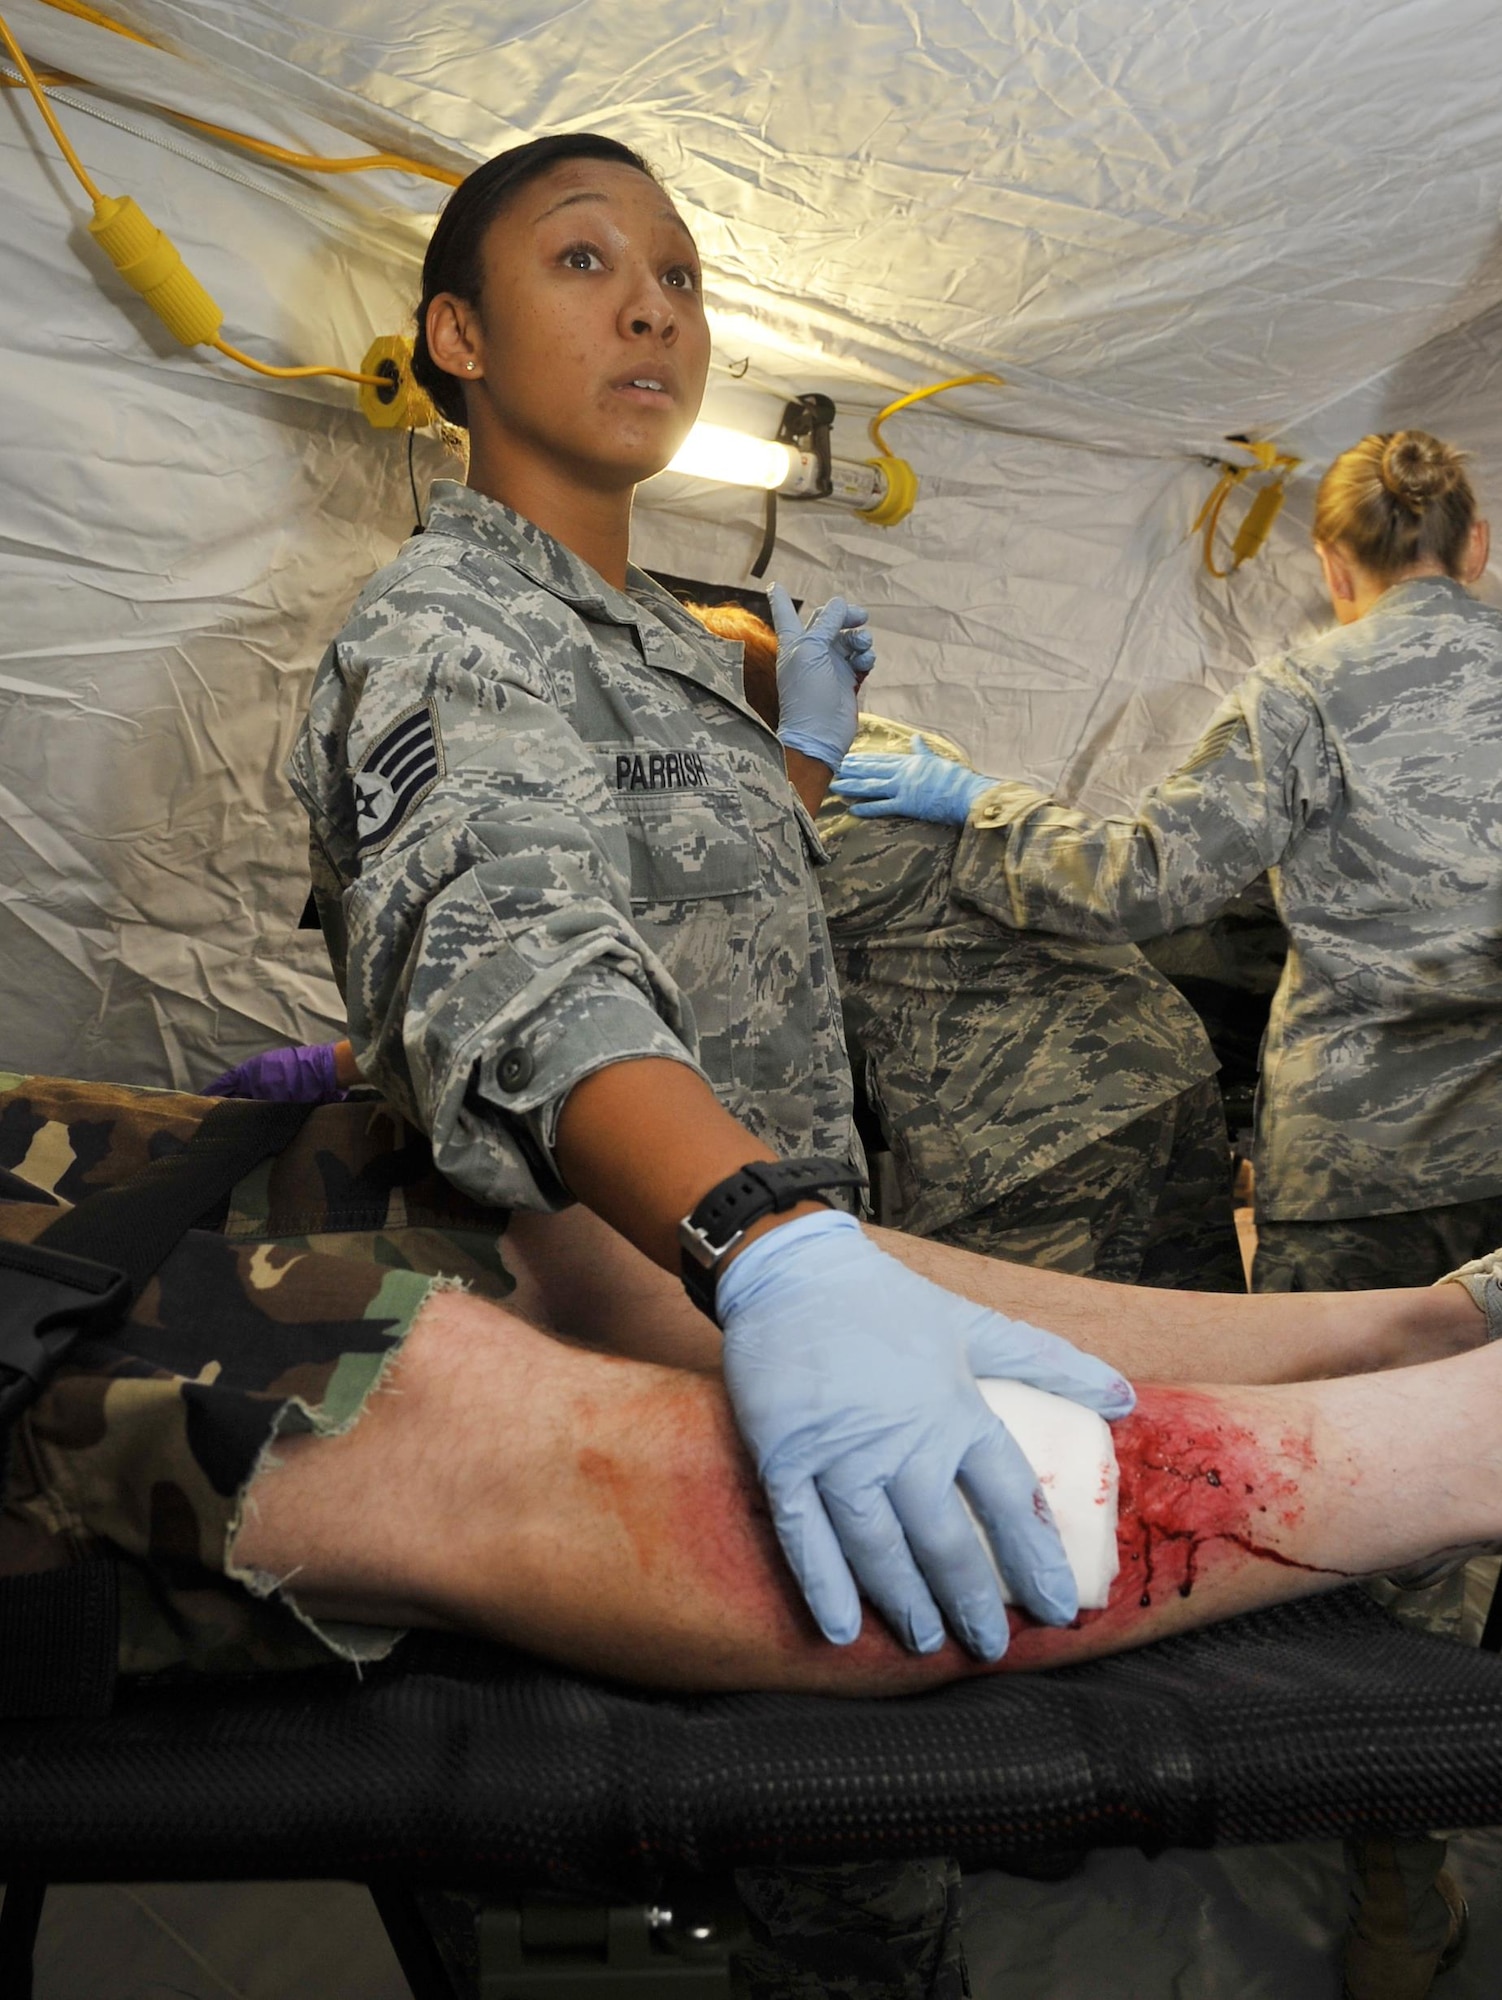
{"x":711,"y":451}
{"x":882,"y":490}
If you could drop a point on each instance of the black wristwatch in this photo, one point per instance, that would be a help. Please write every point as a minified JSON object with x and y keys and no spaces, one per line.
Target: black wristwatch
{"x":721,"y":1219}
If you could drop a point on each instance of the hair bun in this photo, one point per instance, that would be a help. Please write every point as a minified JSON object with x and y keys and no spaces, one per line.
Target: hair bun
{"x":1418,"y":469}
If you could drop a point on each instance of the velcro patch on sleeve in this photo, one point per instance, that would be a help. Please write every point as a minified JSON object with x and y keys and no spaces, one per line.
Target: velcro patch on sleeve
{"x":396,"y":773}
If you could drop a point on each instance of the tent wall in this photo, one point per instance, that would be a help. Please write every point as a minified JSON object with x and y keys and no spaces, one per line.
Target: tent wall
{"x":1162,"y":228}
{"x":178,"y":540}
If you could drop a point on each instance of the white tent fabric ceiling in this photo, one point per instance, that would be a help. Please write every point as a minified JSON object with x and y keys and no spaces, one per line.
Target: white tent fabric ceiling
{"x":1164,"y":224}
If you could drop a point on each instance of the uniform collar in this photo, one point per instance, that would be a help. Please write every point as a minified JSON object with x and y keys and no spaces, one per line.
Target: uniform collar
{"x":491,"y":525}
{"x":1423,"y":594}
{"x":669,"y":636}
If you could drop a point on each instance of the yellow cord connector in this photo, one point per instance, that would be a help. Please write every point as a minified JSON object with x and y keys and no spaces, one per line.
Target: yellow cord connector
{"x":149,"y":261}
{"x":392,"y":399}
{"x":151,"y":264}
{"x":901,"y":494}
{"x":1257,"y":522}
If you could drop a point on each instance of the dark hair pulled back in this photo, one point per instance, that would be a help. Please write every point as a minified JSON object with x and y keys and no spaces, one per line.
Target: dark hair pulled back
{"x":1397,"y":500}
{"x":454,"y":258}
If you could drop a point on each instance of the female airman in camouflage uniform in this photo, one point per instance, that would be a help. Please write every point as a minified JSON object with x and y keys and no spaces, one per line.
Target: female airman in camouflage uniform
{"x":1363,"y":770}
{"x":569,"y":890}
{"x":567,"y":877}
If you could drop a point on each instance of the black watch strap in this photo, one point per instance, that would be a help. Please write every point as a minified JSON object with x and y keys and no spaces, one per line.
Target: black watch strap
{"x":721,"y":1219}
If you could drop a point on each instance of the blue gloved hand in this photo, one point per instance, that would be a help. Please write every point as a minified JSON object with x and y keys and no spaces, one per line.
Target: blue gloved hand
{"x":923,"y":785}
{"x":283,"y":1076}
{"x":820,"y":667}
{"x":854,"y":1384}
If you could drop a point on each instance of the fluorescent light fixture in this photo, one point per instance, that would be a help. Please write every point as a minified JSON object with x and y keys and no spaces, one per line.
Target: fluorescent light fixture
{"x":710,"y":451}
{"x":879,"y":490}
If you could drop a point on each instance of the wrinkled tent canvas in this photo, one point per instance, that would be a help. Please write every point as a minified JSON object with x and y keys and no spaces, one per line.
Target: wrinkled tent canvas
{"x":1163,"y":224}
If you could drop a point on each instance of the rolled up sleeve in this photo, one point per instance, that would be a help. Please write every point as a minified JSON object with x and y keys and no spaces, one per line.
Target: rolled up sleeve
{"x":1231,"y":811}
{"x":491,"y":958}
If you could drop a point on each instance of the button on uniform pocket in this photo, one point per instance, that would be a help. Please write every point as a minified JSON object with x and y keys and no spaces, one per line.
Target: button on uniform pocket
{"x":514,"y":1070}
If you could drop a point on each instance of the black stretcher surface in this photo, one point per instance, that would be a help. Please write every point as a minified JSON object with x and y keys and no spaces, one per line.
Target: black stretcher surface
{"x":468,"y":1766}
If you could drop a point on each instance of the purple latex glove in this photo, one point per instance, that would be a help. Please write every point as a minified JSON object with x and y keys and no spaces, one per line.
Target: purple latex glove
{"x":283,"y":1076}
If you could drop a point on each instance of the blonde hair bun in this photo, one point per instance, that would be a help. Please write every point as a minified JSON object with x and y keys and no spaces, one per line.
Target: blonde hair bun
{"x":1398,"y":501}
{"x":1418,"y":469}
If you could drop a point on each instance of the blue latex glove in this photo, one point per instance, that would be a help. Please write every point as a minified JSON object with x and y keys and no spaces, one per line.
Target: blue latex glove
{"x":923,"y":785}
{"x":854,"y":1384}
{"x":283,"y":1076}
{"x":819,"y":668}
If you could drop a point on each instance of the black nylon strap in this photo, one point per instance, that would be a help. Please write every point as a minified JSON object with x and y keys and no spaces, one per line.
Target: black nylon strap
{"x":138,"y":1225}
{"x":47,"y":1299}
{"x":59,"y":1640}
{"x":722,"y":1217}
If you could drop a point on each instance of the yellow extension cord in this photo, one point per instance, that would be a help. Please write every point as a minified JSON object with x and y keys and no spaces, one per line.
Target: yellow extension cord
{"x":83,"y":13}
{"x":918,"y":396}
{"x":151,"y":264}
{"x":1258,"y":520}
{"x":312,"y":163}
{"x":902,"y":482}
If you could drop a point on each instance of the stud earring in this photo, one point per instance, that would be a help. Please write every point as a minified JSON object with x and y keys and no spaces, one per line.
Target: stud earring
{"x":470,"y":366}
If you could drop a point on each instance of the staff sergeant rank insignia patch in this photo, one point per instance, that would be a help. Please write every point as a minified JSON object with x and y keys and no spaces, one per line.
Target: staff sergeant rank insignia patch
{"x":405,"y":764}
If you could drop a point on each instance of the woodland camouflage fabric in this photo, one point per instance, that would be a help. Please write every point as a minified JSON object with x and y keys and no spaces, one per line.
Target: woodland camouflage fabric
{"x":990,"y":1055}
{"x":1364,"y":772}
{"x":144,"y":1445}
{"x":548,"y":834}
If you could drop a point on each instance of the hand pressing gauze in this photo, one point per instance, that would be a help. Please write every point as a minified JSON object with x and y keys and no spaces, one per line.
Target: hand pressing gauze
{"x":1070,"y":1449}
{"x":855,"y":1384}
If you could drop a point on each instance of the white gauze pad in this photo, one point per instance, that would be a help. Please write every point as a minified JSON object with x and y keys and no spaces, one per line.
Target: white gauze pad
{"x":1070,"y":1449}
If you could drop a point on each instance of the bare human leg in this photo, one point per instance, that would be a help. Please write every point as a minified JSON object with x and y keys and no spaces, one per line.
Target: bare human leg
{"x":601,"y":1511}
{"x":579,"y":1277}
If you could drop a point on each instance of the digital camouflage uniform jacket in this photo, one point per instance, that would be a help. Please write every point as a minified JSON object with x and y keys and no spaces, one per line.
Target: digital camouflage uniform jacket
{"x":1364,"y":771}
{"x":990,"y":1055}
{"x":548,"y":834}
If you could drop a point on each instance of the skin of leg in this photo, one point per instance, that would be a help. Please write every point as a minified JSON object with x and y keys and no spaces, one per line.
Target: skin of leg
{"x":1171,"y":1336}
{"x":601,"y":1512}
{"x":578,"y":1277}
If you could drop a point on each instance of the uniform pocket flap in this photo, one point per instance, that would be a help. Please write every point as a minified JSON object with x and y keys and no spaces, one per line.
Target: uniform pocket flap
{"x":688,"y":845}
